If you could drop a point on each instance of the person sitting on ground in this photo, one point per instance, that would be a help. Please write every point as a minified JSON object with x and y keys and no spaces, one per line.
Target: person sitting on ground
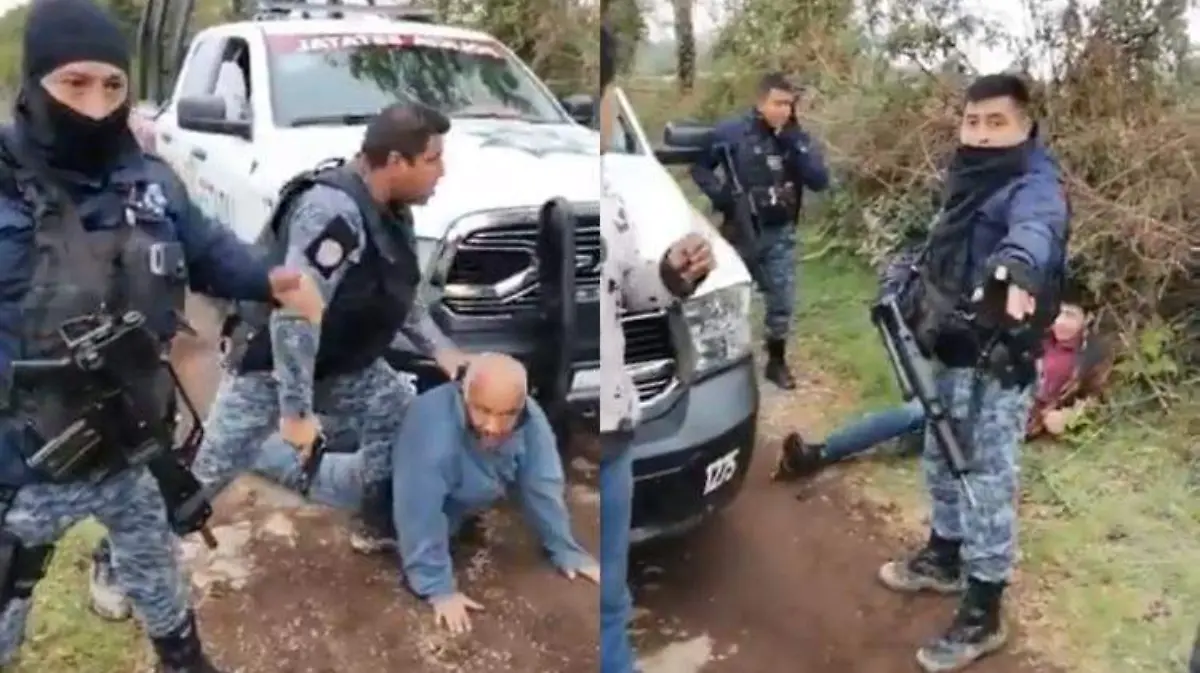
{"x":461,"y":447}
{"x":1075,"y":367}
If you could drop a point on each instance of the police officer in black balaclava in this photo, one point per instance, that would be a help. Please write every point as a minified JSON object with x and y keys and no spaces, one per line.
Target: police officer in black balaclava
{"x":75,"y":118}
{"x":90,"y":227}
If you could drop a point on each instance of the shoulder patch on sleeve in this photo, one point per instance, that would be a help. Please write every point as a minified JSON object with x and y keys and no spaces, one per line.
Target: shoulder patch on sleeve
{"x":332,"y":247}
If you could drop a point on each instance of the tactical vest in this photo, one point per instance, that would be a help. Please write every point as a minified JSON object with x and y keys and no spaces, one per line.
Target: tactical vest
{"x":78,"y":275}
{"x":763,"y":168}
{"x":375,"y":295}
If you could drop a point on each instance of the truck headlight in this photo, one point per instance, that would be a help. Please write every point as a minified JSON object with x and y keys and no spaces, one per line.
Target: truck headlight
{"x":719,"y":325}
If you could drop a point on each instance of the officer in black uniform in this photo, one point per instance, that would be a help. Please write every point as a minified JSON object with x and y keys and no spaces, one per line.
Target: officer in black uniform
{"x":774,"y":159}
{"x":98,"y":244}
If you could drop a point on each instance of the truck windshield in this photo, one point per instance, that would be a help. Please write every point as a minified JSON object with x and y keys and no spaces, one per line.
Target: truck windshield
{"x":347,"y":78}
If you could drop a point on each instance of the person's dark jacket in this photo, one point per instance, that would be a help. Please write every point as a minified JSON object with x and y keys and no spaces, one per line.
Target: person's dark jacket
{"x":807,"y":164}
{"x":218,"y":263}
{"x":1023,"y":227}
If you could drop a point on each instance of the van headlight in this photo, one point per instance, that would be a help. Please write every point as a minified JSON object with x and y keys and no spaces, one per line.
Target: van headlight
{"x":719,"y":325}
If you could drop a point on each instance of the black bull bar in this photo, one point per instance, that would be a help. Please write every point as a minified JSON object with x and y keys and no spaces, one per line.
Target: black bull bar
{"x":551,"y":369}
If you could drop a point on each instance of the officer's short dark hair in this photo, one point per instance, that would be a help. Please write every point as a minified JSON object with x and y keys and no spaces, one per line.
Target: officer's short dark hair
{"x":404,"y":128}
{"x":775,"y":81}
{"x":1000,"y":85}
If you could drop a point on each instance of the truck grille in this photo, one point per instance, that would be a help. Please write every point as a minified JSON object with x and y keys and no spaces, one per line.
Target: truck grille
{"x":502,"y":258}
{"x":493,"y":275}
{"x":649,"y":353}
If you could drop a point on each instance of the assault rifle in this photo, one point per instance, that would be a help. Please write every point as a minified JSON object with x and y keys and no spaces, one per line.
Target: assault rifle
{"x":687,"y":142}
{"x":746,"y":227}
{"x":987,"y":317}
{"x":112,"y":359}
{"x":915,"y":377}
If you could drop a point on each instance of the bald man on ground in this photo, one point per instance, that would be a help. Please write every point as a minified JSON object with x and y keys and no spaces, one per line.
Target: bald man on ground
{"x":462,"y":448}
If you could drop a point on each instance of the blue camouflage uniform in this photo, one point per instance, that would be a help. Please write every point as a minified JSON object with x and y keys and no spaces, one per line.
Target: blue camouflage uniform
{"x":1022,"y":226}
{"x":365,"y":264}
{"x":773,"y":169}
{"x":145,"y":203}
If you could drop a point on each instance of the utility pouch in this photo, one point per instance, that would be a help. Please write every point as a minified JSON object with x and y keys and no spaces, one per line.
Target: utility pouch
{"x":21,"y":568}
{"x":166,"y":261}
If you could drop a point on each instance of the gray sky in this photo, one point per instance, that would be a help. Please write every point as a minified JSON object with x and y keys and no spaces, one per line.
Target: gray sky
{"x":1011,"y":15}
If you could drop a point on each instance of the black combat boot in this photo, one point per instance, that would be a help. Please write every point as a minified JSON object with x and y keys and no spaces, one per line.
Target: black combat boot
{"x":937,"y":567}
{"x":798,"y":458}
{"x":777,"y":371}
{"x":181,"y":652}
{"x":977,"y":631}
{"x":375,"y":530}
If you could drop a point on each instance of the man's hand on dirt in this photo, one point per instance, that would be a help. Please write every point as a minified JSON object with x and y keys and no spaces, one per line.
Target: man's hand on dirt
{"x":1055,"y":421}
{"x":452,"y":611}
{"x":691,"y":257}
{"x":301,"y":433}
{"x":588,"y":571}
{"x":296,"y":291}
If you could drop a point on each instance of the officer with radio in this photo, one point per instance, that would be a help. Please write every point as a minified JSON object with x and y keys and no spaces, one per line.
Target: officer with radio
{"x":98,"y":243}
{"x":984,"y":292}
{"x":773,"y":159}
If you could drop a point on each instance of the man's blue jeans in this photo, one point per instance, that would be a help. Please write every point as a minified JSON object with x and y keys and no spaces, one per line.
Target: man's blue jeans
{"x":616,"y":512}
{"x":874,"y":428}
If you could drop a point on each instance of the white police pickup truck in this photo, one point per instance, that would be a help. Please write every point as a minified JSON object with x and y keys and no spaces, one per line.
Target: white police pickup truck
{"x":258,"y":101}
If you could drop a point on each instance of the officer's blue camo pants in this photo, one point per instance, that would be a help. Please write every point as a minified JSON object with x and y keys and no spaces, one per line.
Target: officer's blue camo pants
{"x":988,"y":531}
{"x":130,"y":506}
{"x":338,"y":483}
{"x":246,"y":412}
{"x":616,"y":603}
{"x":776,"y":278}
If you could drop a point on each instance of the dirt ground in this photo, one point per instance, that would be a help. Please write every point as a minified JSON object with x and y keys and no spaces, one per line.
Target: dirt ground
{"x":784,"y":580}
{"x":284,"y":593}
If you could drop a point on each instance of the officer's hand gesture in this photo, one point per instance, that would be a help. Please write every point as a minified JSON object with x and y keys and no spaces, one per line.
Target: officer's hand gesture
{"x":1019,"y":304}
{"x":296,"y":291}
{"x":691,"y":257}
{"x":452,"y":611}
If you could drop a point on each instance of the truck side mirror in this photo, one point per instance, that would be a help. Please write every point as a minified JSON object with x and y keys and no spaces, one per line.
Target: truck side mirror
{"x":581,"y":107}
{"x":207,"y":114}
{"x":683,"y":142}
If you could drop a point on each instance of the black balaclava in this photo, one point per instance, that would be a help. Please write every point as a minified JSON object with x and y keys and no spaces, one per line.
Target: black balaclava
{"x":974,"y":175}
{"x":58,"y":32}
